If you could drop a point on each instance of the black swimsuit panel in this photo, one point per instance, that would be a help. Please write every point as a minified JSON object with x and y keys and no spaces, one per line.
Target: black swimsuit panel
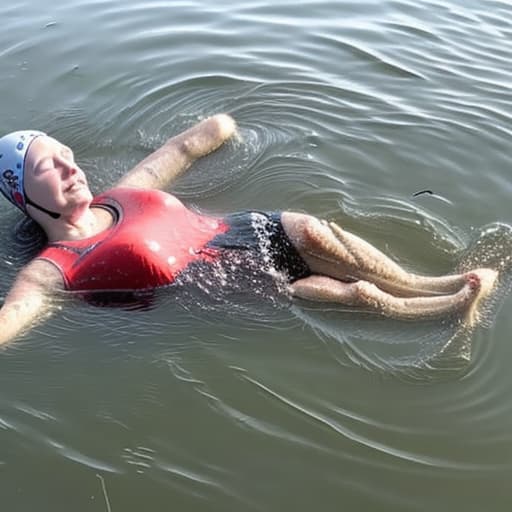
{"x":262,"y":234}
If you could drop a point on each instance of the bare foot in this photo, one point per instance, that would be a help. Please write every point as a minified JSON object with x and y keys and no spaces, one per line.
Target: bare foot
{"x":487,"y":279}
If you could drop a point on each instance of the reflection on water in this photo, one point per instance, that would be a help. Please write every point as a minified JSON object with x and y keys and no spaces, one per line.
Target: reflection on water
{"x":346,"y":109}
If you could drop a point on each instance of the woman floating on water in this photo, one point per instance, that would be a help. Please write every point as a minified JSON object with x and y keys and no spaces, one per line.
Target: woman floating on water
{"x":135,"y":238}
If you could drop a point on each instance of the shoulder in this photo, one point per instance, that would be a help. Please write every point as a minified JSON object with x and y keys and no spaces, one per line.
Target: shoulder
{"x":120,"y":193}
{"x":136,"y":197}
{"x":42,"y":273}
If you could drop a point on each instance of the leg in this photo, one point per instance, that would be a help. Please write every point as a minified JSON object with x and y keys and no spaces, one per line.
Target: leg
{"x":350,"y":271}
{"x":161,"y":168}
{"x":331,"y":251}
{"x":365,"y":295}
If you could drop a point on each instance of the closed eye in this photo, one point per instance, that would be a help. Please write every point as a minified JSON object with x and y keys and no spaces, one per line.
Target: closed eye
{"x":44,"y":165}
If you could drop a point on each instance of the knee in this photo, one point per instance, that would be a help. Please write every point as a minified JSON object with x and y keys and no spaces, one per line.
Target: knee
{"x":302,"y":229}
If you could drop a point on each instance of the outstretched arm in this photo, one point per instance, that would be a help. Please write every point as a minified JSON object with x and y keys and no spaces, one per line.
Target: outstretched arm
{"x":162,"y":167}
{"x":28,"y":300}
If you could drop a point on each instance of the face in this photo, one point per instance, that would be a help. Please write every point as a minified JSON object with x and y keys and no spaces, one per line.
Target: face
{"x":52,"y":179}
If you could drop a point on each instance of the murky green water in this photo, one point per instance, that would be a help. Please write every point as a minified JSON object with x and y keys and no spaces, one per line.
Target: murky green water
{"x":346,"y":110}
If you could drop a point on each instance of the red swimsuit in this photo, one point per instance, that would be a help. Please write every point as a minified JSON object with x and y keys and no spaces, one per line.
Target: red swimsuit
{"x":153,"y":239}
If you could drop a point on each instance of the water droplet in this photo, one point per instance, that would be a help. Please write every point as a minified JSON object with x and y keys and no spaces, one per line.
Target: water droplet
{"x":153,"y":245}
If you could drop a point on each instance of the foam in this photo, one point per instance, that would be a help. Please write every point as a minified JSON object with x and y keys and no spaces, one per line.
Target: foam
{"x":491,"y":253}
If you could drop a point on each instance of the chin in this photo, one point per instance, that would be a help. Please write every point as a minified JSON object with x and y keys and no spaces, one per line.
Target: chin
{"x":83,"y":196}
{"x":80,"y":202}
{"x":88,"y":195}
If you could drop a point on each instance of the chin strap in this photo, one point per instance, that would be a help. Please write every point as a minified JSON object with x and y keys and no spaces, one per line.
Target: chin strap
{"x":53,"y":215}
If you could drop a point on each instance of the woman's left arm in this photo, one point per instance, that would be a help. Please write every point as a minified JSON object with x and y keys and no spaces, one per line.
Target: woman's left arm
{"x":161,"y":168}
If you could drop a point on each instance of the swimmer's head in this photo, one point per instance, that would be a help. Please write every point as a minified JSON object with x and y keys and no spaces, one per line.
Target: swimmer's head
{"x":13,"y":151}
{"x":39,"y":175}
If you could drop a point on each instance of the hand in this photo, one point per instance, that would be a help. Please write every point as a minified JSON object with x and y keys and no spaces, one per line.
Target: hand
{"x":208,"y":135}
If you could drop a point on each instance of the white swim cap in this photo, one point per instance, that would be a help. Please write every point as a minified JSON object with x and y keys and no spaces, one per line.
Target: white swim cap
{"x":13,"y":150}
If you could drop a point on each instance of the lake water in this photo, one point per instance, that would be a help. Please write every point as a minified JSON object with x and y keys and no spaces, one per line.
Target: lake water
{"x":346,"y":110}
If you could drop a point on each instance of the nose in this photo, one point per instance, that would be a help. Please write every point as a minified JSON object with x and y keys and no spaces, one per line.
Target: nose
{"x":69,"y":168}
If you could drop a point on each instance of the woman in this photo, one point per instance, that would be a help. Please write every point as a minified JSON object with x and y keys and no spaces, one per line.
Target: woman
{"x":135,"y":237}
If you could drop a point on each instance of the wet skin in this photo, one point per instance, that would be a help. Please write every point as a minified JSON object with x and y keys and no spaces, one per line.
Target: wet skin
{"x":345,"y":269}
{"x":348,"y":270}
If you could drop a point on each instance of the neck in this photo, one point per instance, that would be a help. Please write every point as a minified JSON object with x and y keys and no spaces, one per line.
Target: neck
{"x":82,"y":224}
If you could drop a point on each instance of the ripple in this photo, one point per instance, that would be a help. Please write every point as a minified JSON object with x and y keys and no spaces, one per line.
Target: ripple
{"x":352,"y":435}
{"x":374,"y":57}
{"x":345,"y":110}
{"x":80,"y":458}
{"x":141,"y":457}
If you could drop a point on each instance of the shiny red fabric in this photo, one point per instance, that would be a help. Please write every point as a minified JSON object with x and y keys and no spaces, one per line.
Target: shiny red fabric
{"x":153,"y":239}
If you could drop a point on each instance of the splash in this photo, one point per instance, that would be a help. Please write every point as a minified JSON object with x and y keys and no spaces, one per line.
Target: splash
{"x":491,"y":248}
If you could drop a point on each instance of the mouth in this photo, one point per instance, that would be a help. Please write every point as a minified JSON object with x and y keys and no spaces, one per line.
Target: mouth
{"x":74,"y":186}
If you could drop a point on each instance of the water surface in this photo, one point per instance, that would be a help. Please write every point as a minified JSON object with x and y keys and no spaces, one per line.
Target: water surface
{"x":346,"y":110}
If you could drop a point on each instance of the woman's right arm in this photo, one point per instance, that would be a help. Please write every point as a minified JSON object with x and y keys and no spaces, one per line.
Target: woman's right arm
{"x":29,"y":299}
